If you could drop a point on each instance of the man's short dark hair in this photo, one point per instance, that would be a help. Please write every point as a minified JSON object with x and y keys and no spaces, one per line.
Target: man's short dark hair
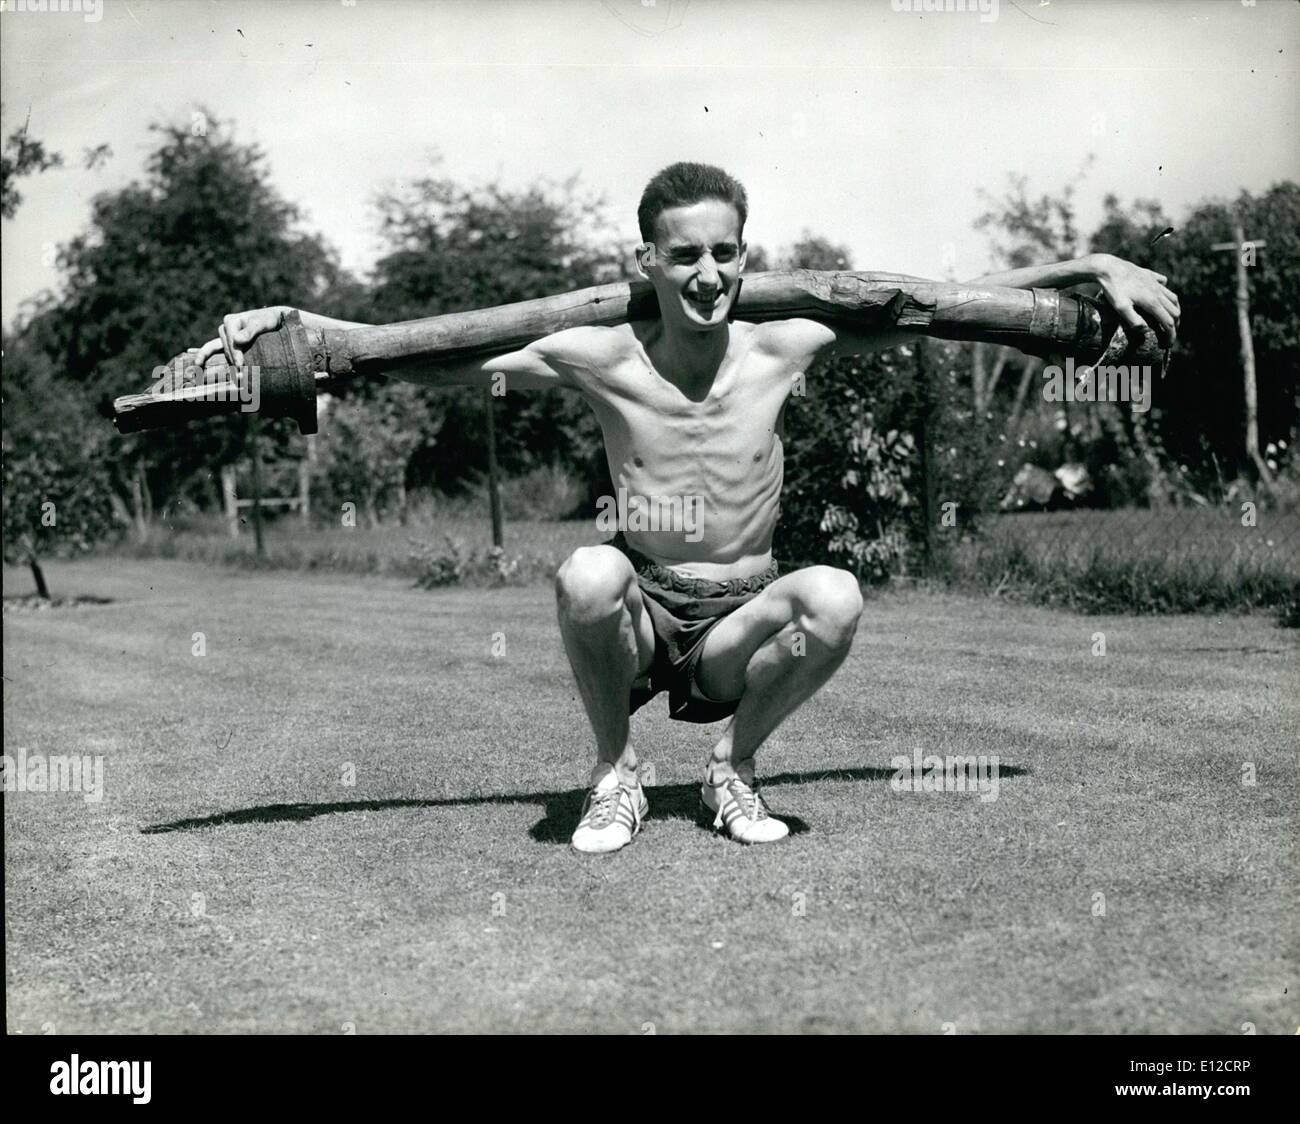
{"x":680,"y":185}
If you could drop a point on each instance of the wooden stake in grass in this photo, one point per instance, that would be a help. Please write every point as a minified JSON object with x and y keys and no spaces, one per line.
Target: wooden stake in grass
{"x":255,"y":451}
{"x":494,"y":481}
{"x":1243,"y":250}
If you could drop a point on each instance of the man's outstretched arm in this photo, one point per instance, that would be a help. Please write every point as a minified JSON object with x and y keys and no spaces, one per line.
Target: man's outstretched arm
{"x":547,"y":362}
{"x":1140,"y":296}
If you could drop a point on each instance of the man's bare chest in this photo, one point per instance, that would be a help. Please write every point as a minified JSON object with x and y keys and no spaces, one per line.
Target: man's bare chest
{"x":733,"y":423}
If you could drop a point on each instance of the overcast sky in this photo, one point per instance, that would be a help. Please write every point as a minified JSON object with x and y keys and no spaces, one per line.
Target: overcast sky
{"x":870,"y":126}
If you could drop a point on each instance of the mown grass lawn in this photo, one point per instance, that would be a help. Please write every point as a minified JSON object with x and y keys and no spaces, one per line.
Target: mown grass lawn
{"x":1204,"y":540}
{"x":232,"y":879}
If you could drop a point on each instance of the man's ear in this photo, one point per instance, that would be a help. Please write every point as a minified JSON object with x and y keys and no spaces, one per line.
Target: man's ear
{"x":646,"y":257}
{"x":735,"y":296}
{"x":744,"y":251}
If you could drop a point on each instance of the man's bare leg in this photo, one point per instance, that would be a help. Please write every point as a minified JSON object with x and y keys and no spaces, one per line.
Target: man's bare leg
{"x":610,"y":642}
{"x":773,"y":654}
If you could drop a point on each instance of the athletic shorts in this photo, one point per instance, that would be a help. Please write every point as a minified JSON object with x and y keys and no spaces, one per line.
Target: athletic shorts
{"x":684,"y":611}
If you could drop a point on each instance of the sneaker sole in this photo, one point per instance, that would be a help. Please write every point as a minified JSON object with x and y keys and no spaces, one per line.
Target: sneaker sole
{"x":712,"y":814}
{"x":635,"y":832}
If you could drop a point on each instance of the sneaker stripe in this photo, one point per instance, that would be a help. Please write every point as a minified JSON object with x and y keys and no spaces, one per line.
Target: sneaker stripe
{"x":731,"y":814}
{"x":615,"y":818}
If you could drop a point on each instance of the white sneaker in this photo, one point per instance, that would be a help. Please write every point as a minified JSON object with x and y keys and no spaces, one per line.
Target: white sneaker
{"x":611,"y":814}
{"x":740,"y":810}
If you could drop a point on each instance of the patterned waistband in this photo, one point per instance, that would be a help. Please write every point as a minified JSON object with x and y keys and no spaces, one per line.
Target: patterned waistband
{"x":694,"y":587}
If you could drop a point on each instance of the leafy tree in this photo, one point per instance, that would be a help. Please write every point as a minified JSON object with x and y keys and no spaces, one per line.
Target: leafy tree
{"x":1024,"y":231}
{"x":757,"y":260}
{"x":454,"y":248}
{"x":22,"y":156}
{"x":812,"y":251}
{"x":58,"y":496}
{"x":855,"y":492}
{"x":366,"y":443}
{"x":1011,"y":424}
{"x":1199,"y":407}
{"x":850,"y":460}
{"x":1191,"y":441}
{"x":202,"y":234}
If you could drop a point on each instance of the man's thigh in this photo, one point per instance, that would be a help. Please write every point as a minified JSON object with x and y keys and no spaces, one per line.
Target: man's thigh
{"x":644,"y":630}
{"x":731,"y":645}
{"x":603,"y":570}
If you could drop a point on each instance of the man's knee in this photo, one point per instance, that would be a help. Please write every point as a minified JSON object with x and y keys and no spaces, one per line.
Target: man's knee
{"x":592,"y":583}
{"x":830,"y":603}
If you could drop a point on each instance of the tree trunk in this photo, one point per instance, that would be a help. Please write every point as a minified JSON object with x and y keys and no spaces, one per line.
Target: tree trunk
{"x":148,"y":496}
{"x":304,"y":490}
{"x":1248,"y":358}
{"x":977,"y":379}
{"x":999,"y":366}
{"x":1026,"y":375}
{"x":230,"y":499}
{"x":494,"y":481}
{"x":924,"y":422}
{"x":42,"y":589}
{"x":255,"y":448}
{"x":137,"y":505}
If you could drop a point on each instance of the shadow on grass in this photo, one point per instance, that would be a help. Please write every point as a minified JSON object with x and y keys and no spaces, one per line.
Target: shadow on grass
{"x":667,"y":802}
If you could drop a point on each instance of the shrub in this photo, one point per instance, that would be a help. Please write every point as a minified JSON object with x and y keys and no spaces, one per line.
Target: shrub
{"x":545,"y":493}
{"x":434,"y":567}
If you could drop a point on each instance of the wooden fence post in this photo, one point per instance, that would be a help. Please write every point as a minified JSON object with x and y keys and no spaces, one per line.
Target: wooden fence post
{"x":255,"y":445}
{"x":229,"y":500}
{"x":494,"y":483}
{"x":304,"y":482}
{"x":925,"y":407}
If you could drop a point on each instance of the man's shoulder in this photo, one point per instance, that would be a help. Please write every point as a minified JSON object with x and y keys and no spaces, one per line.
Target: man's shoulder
{"x":795,"y":338}
{"x":589,"y":345}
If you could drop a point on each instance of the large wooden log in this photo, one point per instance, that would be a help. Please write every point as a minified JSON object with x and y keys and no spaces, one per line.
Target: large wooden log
{"x":1038,"y":321}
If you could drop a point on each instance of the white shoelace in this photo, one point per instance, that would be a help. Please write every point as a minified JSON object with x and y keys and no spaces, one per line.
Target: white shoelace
{"x":602,"y":806}
{"x":751,"y":804}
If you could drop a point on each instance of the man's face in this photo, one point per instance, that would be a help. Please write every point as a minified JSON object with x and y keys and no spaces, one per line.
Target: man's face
{"x":696,"y":264}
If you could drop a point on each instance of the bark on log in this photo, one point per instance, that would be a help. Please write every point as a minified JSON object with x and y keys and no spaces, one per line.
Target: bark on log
{"x":1037,"y":321}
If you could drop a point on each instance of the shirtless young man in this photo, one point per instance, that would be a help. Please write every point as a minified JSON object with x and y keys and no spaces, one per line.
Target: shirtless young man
{"x":691,"y":408}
